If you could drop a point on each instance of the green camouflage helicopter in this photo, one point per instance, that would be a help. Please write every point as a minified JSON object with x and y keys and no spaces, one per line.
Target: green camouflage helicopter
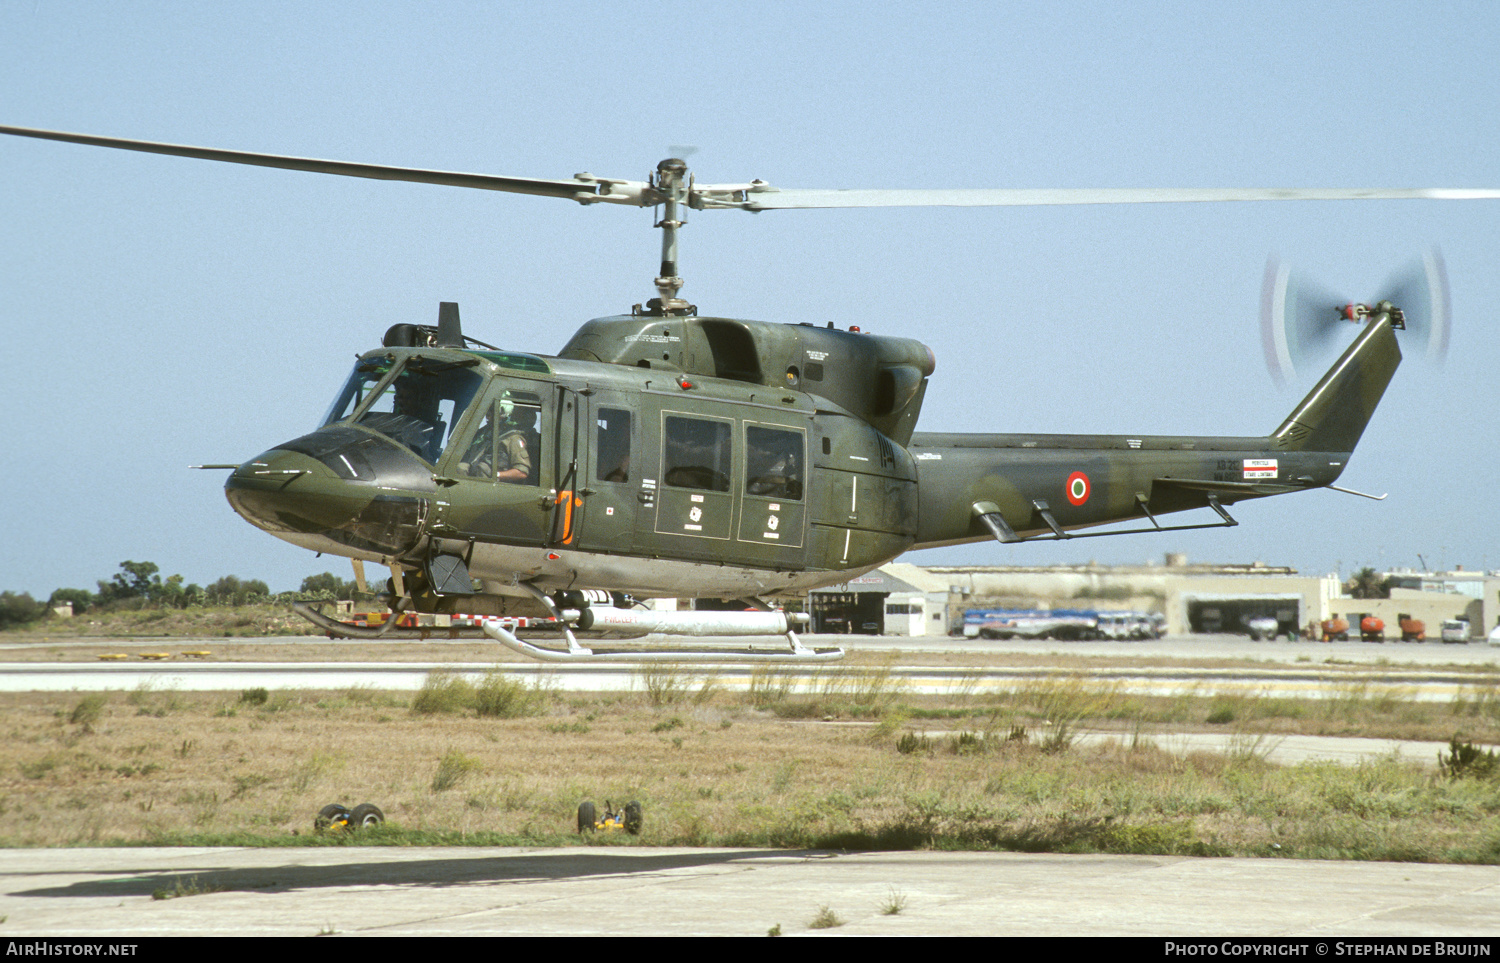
{"x":662,"y":453}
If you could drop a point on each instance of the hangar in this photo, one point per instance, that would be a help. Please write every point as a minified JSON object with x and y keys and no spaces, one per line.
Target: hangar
{"x":910,"y":600}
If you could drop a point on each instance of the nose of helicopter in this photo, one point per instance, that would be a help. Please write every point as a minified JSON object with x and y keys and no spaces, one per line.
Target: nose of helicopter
{"x":334,"y":489}
{"x":288,"y":492}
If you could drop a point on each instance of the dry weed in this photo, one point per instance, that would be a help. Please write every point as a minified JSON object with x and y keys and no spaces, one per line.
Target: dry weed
{"x":195,"y":775}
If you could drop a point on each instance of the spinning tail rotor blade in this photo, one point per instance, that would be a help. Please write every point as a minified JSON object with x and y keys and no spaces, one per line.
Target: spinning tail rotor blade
{"x":1299,"y":321}
{"x":1421,"y":292}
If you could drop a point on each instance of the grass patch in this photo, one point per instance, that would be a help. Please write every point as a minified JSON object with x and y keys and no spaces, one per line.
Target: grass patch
{"x":913,"y":742}
{"x":443,"y":692}
{"x":88,"y":710}
{"x":1481,"y":700}
{"x":151,"y":701}
{"x":500,"y":696}
{"x":665,"y":684}
{"x":452,"y":769}
{"x":1060,"y":703}
{"x":190,"y":886}
{"x":725,"y":773}
{"x":1465,"y":759}
{"x":770,"y":685}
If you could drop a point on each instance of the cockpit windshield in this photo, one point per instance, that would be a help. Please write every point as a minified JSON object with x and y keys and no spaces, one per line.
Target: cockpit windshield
{"x":367,"y":374}
{"x":416,"y":403}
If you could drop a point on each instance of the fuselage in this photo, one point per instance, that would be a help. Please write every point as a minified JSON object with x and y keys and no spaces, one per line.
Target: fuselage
{"x":528,"y":473}
{"x":638,"y":480}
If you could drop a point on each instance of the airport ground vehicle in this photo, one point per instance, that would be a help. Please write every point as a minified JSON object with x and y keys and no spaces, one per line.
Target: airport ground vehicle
{"x":1067,"y":624}
{"x":336,"y":817}
{"x":629,"y":817}
{"x":1263,"y":627}
{"x":1335,"y":629}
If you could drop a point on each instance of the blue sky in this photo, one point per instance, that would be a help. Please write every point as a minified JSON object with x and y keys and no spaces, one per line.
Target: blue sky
{"x":161,"y":312}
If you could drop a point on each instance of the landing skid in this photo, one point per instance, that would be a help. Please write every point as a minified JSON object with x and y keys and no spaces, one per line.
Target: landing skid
{"x":603,"y":623}
{"x":575,"y":652}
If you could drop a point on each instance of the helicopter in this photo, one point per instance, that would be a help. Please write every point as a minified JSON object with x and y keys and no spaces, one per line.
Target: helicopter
{"x":662,"y":452}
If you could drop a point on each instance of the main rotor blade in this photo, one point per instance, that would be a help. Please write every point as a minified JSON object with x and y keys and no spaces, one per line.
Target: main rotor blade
{"x":585,"y":189}
{"x":767,"y":199}
{"x":757,"y":195}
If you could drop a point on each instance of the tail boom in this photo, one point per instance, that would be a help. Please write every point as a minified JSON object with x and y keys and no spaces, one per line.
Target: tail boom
{"x":1017,"y":487}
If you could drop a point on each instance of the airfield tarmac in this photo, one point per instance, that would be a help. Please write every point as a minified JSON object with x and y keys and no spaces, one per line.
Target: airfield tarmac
{"x":628,"y":891}
{"x":732,"y":892}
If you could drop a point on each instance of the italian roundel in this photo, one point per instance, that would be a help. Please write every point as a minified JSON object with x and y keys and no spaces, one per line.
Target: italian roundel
{"x":1078,"y":488}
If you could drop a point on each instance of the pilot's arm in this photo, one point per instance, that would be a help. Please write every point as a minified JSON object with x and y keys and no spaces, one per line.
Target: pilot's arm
{"x":515,"y":458}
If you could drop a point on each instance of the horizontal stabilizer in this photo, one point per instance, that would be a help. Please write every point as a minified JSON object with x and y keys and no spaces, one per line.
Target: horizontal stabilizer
{"x":1231,"y":487}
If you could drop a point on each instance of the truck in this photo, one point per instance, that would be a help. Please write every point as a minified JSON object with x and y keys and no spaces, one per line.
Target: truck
{"x":1069,"y":624}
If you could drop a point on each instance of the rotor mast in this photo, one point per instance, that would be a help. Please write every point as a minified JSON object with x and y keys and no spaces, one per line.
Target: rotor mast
{"x":672,"y":184}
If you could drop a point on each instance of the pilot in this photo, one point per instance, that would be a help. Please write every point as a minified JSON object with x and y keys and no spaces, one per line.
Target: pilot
{"x":514,"y":451}
{"x":515,"y":456}
{"x":413,"y":401}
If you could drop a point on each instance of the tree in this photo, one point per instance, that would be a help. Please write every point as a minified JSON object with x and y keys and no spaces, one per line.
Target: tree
{"x":1368,"y":584}
{"x":19,"y":609}
{"x":169,"y":592}
{"x":223,"y":591}
{"x":135,"y":582}
{"x":81,"y":599}
{"x":327,"y":586}
{"x":231,"y":590}
{"x":142,"y":582}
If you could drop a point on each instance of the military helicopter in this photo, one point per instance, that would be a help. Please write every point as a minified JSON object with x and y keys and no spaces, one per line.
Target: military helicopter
{"x":665,"y":453}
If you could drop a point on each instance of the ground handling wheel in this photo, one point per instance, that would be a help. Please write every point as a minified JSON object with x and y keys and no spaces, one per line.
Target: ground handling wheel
{"x":633,"y":818}
{"x":366,"y":816}
{"x":331,"y":817}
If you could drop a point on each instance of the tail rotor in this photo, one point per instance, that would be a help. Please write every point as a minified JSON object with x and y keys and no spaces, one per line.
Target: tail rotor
{"x":1421,"y":291}
{"x":1301,"y":322}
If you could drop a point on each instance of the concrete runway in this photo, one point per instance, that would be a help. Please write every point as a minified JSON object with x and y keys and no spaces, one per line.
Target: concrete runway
{"x":1431,"y":672}
{"x":630,"y":891}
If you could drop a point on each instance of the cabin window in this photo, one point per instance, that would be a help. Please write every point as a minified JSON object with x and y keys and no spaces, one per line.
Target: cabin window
{"x":507,"y":446}
{"x":773,"y":462}
{"x":612,"y":445}
{"x":697,"y":454}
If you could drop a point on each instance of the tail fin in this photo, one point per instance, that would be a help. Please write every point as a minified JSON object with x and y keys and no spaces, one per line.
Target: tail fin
{"x":1335,"y":412}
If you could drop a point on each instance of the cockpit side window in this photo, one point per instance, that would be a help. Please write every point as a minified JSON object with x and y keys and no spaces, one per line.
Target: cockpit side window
{"x":507,"y":445}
